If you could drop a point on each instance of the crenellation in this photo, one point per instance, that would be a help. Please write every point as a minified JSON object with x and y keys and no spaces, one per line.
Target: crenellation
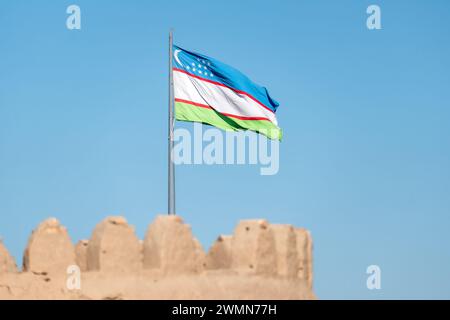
{"x":261,"y":254}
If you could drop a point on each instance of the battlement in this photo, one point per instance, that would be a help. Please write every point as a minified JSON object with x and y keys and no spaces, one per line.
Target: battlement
{"x":281,"y":255}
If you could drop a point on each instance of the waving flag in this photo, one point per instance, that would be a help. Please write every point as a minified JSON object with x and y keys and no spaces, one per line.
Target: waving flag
{"x":211,"y":92}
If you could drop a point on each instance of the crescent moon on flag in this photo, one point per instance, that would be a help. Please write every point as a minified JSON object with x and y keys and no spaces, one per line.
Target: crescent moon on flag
{"x":175,"y":54}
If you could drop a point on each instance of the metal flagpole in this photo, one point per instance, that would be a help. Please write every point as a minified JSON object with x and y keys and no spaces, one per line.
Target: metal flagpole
{"x":171,"y":182}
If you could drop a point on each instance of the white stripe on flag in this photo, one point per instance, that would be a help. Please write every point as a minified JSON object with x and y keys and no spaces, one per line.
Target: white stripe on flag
{"x":222,"y":99}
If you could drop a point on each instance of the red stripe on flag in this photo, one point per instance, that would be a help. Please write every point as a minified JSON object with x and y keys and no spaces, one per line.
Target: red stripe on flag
{"x":224,"y":114}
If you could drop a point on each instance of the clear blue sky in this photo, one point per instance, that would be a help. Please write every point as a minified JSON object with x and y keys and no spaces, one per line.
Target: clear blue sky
{"x":365,"y":161}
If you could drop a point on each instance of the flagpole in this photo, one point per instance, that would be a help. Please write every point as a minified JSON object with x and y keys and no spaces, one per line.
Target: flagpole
{"x":171,"y":173}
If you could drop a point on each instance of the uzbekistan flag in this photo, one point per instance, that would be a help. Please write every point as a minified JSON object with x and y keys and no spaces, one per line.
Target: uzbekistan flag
{"x":211,"y":92}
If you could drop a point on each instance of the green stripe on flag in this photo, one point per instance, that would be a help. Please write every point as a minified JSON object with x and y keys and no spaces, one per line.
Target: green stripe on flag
{"x":188,"y":112}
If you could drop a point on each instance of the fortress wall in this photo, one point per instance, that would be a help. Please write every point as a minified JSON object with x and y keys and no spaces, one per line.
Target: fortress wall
{"x":114,"y":246}
{"x":7,"y":263}
{"x":286,"y":250}
{"x":257,"y":247}
{"x":170,"y":247}
{"x":49,"y":249}
{"x":81,"y":254}
{"x":305,"y":255}
{"x":253,"y":248}
{"x":219,"y":255}
{"x":256,"y":250}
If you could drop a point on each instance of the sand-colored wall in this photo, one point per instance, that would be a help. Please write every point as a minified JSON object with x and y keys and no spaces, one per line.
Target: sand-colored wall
{"x":49,"y":249}
{"x":7,"y":263}
{"x":170,"y":247}
{"x":113,"y":247}
{"x":280,"y":255}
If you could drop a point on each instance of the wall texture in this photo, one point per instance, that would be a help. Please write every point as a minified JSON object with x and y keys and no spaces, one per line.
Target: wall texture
{"x":260,"y":260}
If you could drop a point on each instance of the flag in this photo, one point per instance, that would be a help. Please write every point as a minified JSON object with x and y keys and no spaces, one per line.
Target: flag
{"x":211,"y":92}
